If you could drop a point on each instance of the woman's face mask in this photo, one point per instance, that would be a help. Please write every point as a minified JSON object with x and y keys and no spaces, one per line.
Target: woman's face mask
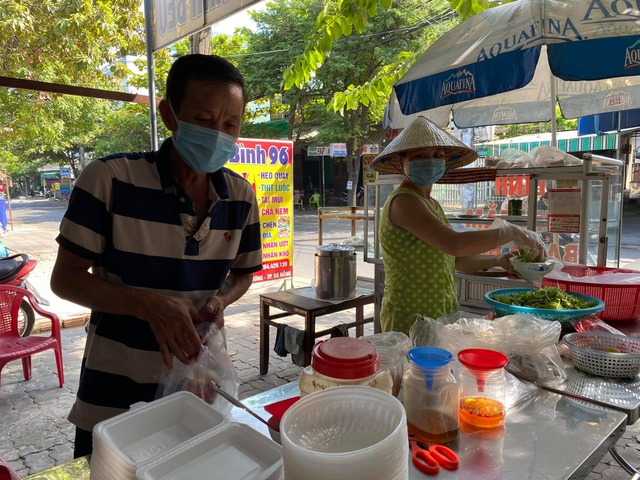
{"x":203,"y":149}
{"x":425,"y":172}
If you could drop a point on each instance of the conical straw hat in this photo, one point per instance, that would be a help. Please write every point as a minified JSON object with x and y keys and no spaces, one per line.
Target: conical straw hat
{"x":422,"y":133}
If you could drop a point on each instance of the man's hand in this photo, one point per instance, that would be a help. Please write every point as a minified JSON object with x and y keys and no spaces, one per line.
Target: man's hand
{"x":213,"y":311}
{"x":172,"y":322}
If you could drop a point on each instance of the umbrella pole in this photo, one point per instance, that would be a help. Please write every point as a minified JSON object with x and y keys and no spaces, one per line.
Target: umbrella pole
{"x":553,"y":87}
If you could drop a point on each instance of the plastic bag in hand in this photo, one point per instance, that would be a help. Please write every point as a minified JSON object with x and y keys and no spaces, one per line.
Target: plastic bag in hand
{"x":213,"y":364}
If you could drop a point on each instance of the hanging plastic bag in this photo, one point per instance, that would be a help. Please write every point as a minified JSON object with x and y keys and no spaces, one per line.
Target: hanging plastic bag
{"x":213,"y":364}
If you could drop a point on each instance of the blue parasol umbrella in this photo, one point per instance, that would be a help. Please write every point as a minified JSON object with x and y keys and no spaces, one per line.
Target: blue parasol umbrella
{"x":512,"y":63}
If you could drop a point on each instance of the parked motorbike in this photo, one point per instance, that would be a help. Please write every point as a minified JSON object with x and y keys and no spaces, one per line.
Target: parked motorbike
{"x":14,"y":271}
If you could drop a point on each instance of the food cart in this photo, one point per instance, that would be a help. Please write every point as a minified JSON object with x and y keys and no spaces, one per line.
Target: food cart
{"x":595,"y":185}
{"x":533,"y":443}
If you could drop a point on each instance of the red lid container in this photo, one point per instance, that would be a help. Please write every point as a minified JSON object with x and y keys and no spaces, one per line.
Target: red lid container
{"x":345,"y":358}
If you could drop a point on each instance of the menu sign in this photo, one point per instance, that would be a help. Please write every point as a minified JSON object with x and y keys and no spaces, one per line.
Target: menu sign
{"x":268,"y":166}
{"x":564,"y":210}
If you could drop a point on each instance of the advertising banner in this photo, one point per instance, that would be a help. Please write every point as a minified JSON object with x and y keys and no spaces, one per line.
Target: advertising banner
{"x":338,"y":149}
{"x":268,"y":166}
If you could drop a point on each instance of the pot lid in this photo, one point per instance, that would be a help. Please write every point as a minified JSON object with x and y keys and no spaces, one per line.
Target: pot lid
{"x":345,"y":357}
{"x":335,"y":250}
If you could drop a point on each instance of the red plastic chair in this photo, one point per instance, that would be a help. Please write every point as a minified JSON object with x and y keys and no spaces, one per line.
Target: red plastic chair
{"x":6,"y":472}
{"x":12,"y":345}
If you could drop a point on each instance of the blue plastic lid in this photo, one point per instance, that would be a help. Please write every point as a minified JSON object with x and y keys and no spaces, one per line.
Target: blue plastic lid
{"x":430,"y":360}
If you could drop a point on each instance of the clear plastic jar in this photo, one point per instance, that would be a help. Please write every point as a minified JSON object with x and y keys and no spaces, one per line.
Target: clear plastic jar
{"x":392,"y":347}
{"x":482,"y":387}
{"x":431,"y":395}
{"x":344,"y":361}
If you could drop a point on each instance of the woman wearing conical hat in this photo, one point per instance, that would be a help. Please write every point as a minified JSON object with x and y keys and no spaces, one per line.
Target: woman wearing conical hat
{"x":421,"y":252}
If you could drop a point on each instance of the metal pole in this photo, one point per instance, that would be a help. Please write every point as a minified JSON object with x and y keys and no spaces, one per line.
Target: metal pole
{"x":148,"y":20}
{"x":553,"y":88}
{"x":322,"y":179}
{"x":6,"y":188}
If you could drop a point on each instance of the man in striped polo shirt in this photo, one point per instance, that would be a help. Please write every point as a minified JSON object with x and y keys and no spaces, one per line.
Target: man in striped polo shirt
{"x":154,"y":243}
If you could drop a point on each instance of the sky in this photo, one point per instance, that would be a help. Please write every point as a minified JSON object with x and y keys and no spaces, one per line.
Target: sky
{"x":240,"y":19}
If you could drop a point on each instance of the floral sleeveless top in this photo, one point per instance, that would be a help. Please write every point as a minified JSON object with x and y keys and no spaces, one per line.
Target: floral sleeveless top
{"x":419,"y":278}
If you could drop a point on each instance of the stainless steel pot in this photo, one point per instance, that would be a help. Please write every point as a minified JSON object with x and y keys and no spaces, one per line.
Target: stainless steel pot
{"x":335,"y":269}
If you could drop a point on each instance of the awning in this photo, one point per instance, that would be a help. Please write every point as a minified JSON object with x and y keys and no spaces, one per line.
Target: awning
{"x":609,"y":122}
{"x":567,"y":141}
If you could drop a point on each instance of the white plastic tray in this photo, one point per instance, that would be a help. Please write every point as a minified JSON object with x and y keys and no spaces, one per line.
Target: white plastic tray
{"x":233,"y":452}
{"x":143,"y":433}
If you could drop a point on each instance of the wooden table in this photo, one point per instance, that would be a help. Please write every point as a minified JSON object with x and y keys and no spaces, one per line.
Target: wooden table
{"x":301,"y":301}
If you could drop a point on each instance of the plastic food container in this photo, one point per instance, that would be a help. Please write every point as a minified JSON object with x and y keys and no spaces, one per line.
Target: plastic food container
{"x":351,"y":432}
{"x":177,"y":434}
{"x":392,"y":348}
{"x":234,"y":452}
{"x":482,"y":387}
{"x":431,"y":395}
{"x":343,"y":361}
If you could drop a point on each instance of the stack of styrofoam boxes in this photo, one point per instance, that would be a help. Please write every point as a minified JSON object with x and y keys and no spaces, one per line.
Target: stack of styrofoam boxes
{"x":180,"y":437}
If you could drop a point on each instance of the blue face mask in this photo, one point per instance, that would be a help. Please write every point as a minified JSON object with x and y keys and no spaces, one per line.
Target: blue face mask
{"x":203,"y":149}
{"x":425,"y":172}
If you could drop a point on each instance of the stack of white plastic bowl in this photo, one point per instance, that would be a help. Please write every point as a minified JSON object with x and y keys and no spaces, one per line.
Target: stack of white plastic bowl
{"x":354,"y":429}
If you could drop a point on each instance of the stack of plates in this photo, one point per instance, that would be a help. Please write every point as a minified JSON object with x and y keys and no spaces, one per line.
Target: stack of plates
{"x":177,"y":437}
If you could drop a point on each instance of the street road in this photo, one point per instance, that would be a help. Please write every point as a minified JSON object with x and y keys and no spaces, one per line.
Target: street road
{"x":36,"y":223}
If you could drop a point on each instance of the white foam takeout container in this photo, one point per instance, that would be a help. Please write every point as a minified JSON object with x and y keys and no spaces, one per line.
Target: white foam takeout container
{"x":234,"y":452}
{"x":181,"y":433}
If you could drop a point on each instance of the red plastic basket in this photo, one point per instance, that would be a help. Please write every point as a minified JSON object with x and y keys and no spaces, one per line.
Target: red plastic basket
{"x":622,"y":302}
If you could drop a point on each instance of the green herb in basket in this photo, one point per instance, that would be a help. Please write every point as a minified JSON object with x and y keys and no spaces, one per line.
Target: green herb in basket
{"x":548,"y":298}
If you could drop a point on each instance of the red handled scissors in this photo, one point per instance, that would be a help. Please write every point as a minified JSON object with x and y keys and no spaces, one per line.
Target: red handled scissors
{"x":428,"y":458}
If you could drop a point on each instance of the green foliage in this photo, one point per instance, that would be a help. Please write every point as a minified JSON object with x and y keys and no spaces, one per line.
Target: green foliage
{"x":126,"y":128}
{"x":68,"y":42}
{"x":562,"y":125}
{"x":469,"y":8}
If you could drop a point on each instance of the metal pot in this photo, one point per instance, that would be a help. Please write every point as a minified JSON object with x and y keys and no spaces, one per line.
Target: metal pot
{"x":335,"y":269}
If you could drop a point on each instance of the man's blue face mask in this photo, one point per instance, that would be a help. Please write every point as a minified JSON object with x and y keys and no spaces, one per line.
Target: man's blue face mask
{"x":203,"y":149}
{"x":425,"y":172}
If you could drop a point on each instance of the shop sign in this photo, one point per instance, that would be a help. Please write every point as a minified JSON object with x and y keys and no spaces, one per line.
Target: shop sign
{"x":482,"y":150}
{"x":371,"y":150}
{"x":317,"y":151}
{"x":268,"y":166}
{"x":338,"y":149}
{"x":65,"y":172}
{"x":172,"y":20}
